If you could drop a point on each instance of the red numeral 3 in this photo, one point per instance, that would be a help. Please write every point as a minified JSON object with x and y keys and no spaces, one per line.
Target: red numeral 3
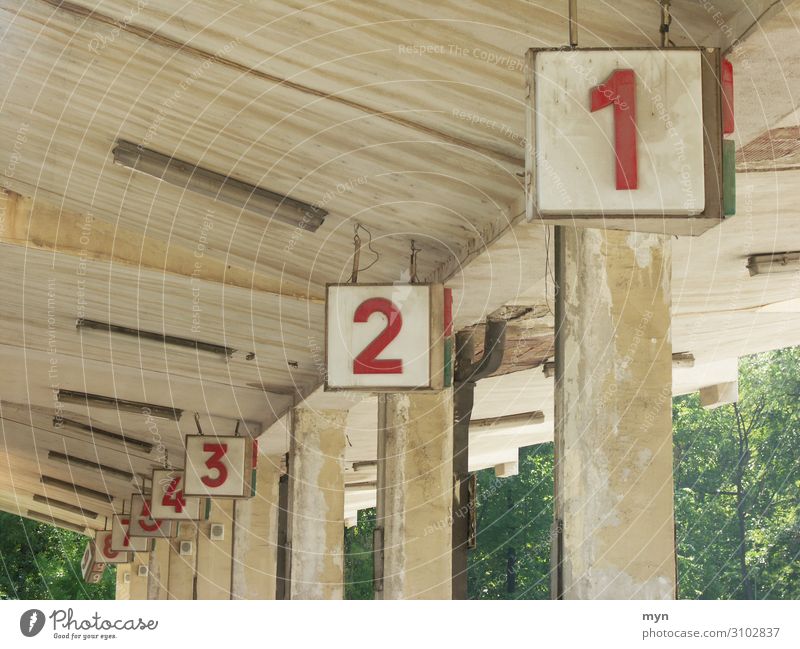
{"x":217,"y":452}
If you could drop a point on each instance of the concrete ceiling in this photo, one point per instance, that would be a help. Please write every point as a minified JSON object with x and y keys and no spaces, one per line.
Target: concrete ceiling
{"x":407,"y":118}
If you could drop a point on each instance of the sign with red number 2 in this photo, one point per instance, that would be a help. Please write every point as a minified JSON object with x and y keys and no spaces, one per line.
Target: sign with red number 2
{"x":382,"y":337}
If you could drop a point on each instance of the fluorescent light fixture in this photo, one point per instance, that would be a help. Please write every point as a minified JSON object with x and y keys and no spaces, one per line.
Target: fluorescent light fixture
{"x":155,"y":336}
{"x":221,"y":188}
{"x":87,"y":399}
{"x":67,"y":507}
{"x":58,"y":522}
{"x":95,"y":432}
{"x":89,"y":464}
{"x":78,"y":490}
{"x":770,"y":263}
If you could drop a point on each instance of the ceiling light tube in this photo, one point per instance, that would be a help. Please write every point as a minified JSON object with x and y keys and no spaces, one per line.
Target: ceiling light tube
{"x":87,"y":399}
{"x":157,"y":337}
{"x":221,"y":188}
{"x":89,"y":464}
{"x":770,"y":263}
{"x":78,"y":490}
{"x":67,"y":507}
{"x":95,"y":432}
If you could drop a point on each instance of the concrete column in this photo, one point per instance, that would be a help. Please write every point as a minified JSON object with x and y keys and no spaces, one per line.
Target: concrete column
{"x":316,"y":504}
{"x":613,"y":411}
{"x":123,"y":589}
{"x":255,"y":535}
{"x":214,"y":555}
{"x":416,"y":494}
{"x":158,"y":570}
{"x":137,"y":588}
{"x":181,"y":581}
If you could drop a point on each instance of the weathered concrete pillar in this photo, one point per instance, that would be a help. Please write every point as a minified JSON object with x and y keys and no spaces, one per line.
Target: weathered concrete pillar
{"x":613,"y":408}
{"x":416,"y":494}
{"x":214,"y":552}
{"x":316,"y":504}
{"x":139,"y":567}
{"x":123,"y":588}
{"x":255,"y":535}
{"x":181,"y":580}
{"x":158,"y":570}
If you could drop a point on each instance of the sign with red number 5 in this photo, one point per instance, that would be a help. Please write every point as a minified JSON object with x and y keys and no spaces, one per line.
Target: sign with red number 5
{"x":626,"y":138}
{"x":219,"y":466}
{"x":121,"y":540}
{"x":143,"y":524}
{"x":382,"y":337}
{"x":169,"y":502}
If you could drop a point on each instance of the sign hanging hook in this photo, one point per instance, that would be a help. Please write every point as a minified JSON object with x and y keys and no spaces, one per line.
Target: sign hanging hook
{"x":573,"y":23}
{"x":413,"y":269}
{"x":666,"y":21}
{"x":197,"y":423}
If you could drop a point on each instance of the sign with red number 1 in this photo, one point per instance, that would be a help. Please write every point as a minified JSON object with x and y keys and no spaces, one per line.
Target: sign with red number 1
{"x":382,"y":337}
{"x":626,"y":138}
{"x":219,"y":466}
{"x":169,"y":501}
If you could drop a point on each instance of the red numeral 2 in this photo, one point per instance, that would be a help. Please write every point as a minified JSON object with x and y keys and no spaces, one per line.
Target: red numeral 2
{"x":620,"y":89}
{"x":367,"y":362}
{"x":174,"y":498}
{"x":217,"y":452}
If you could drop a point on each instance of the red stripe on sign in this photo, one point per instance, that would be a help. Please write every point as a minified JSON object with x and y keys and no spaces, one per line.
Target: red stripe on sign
{"x":448,"y":312}
{"x":255,"y":453}
{"x":727,"y":97}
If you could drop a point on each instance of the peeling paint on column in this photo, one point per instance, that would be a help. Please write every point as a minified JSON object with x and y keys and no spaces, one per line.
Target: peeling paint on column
{"x":615,"y":476}
{"x":317,"y":504}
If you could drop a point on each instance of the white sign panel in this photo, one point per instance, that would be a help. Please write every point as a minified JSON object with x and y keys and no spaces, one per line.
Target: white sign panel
{"x":382,"y":337}
{"x":219,"y":466}
{"x":169,"y":501}
{"x":619,"y":132}
{"x":143,"y":524}
{"x":121,"y":540}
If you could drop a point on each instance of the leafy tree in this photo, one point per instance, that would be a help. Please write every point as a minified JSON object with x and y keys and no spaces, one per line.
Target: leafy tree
{"x":39,"y":561}
{"x":358,"y":557}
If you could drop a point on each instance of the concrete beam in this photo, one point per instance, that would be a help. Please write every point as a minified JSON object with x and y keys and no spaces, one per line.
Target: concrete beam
{"x":714,"y":396}
{"x":506,"y":469}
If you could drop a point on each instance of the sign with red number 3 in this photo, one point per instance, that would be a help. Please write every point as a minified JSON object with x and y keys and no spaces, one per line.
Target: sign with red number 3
{"x":384,"y":337}
{"x":219,"y":466}
{"x":169,"y":502}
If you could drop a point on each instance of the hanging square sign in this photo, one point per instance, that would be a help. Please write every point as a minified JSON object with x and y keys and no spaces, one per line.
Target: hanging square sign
{"x":384,"y":337}
{"x":220,"y":467}
{"x":625,"y":138}
{"x":143,"y":524}
{"x":169,"y":501}
{"x":121,"y":540}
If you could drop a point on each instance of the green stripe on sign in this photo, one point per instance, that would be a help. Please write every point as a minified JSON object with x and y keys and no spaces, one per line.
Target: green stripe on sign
{"x":448,"y":362}
{"x":728,"y":177}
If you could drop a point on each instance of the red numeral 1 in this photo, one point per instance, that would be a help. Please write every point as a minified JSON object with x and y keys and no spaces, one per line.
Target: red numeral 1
{"x":620,"y":89}
{"x":217,"y":452}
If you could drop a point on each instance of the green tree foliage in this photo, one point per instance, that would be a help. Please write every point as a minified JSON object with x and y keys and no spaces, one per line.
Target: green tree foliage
{"x":512,"y":558}
{"x":39,"y":561}
{"x":358,"y":557}
{"x":737,"y":486}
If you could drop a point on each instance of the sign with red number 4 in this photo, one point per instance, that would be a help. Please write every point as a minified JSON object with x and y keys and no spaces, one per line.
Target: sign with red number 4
{"x":382,"y":337}
{"x":169,"y":501}
{"x":219,"y":467}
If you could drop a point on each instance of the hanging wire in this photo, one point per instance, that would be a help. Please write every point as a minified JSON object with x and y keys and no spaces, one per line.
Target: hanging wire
{"x":197,"y":423}
{"x":236,"y":430}
{"x":166,"y":458}
{"x":413,"y":264}
{"x":357,"y":252}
